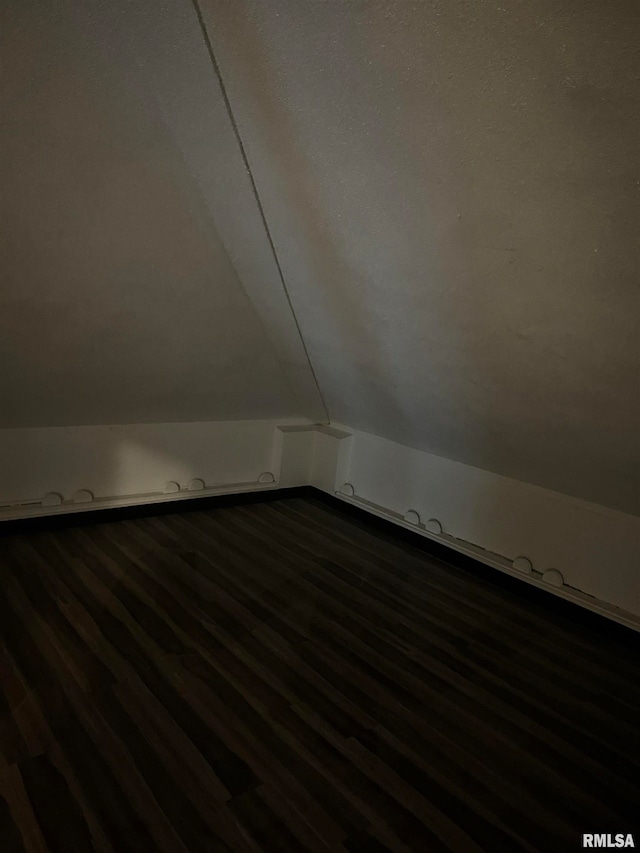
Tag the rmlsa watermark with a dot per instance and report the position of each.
(619, 840)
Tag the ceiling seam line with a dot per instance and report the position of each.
(218, 73)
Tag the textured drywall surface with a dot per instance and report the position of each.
(132, 459)
(453, 189)
(125, 208)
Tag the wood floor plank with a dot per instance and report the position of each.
(521, 616)
(466, 607)
(281, 676)
(595, 801)
(390, 651)
(412, 613)
(19, 829)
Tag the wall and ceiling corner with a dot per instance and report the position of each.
(420, 217)
(453, 194)
(138, 282)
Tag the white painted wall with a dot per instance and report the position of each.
(136, 280)
(453, 190)
(120, 461)
(453, 193)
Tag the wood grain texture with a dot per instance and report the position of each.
(283, 676)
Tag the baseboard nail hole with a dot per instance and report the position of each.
(553, 577)
(433, 526)
(523, 564)
(412, 517)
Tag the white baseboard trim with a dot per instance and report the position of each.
(35, 509)
(581, 552)
(496, 561)
(60, 470)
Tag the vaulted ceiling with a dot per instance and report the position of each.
(132, 244)
(451, 190)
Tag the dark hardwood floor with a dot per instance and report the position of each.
(281, 676)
